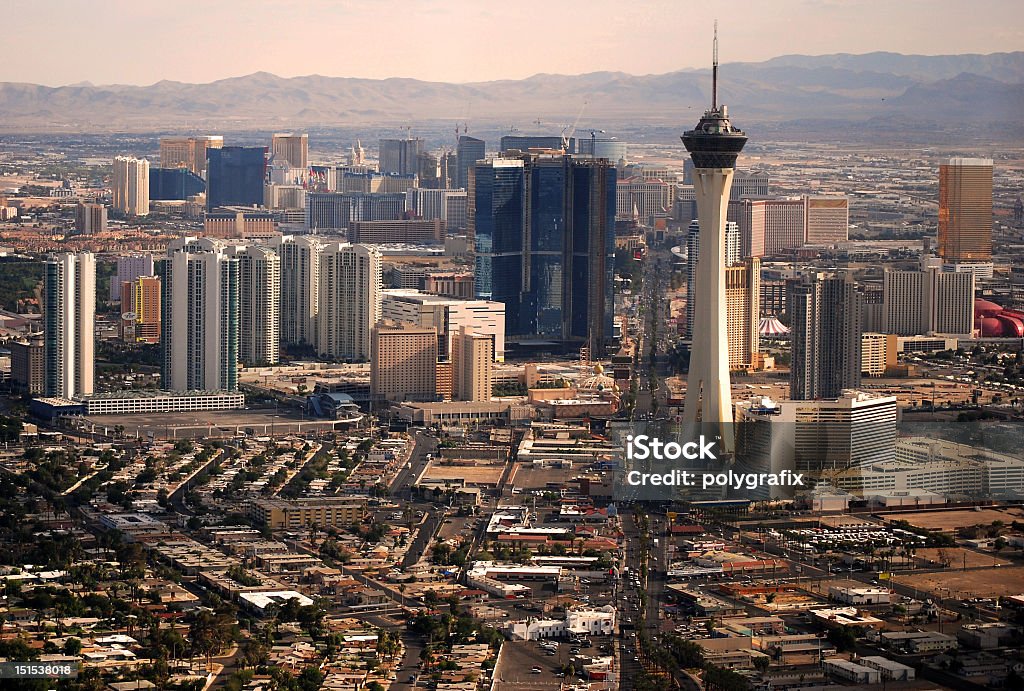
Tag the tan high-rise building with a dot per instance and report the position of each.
(743, 311)
(768, 226)
(176, 152)
(928, 301)
(403, 363)
(188, 152)
(131, 186)
(965, 210)
(291, 148)
(90, 219)
(444, 380)
(448, 316)
(27, 368)
(826, 220)
(877, 353)
(472, 366)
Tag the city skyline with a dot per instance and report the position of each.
(467, 33)
(646, 408)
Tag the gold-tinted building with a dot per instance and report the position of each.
(292, 149)
(403, 363)
(142, 324)
(965, 210)
(188, 152)
(826, 220)
(472, 366)
(742, 308)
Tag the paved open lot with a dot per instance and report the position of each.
(948, 521)
(967, 584)
(529, 477)
(518, 658)
(959, 557)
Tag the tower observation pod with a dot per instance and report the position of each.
(714, 145)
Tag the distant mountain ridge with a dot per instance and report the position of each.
(932, 89)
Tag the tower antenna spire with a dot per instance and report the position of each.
(714, 70)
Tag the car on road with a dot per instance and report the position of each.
(536, 670)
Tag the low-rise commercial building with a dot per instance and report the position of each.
(134, 402)
(889, 669)
(859, 596)
(851, 671)
(324, 512)
(577, 622)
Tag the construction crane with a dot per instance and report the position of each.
(567, 133)
(593, 141)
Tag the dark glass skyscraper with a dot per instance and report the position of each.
(826, 336)
(401, 156)
(545, 246)
(525, 142)
(235, 176)
(469, 151)
(498, 231)
(174, 183)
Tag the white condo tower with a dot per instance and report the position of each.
(714, 145)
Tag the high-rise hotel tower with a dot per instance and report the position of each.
(69, 313)
(200, 321)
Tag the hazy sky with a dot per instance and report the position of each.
(143, 41)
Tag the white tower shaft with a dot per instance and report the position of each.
(708, 393)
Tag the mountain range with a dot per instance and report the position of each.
(878, 89)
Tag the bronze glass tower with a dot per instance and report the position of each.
(965, 210)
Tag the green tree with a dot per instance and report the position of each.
(72, 646)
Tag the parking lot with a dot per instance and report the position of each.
(520, 660)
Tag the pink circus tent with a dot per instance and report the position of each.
(771, 327)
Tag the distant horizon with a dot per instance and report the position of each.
(123, 43)
(705, 68)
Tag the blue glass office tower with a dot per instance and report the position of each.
(498, 235)
(235, 176)
(174, 183)
(545, 246)
(468, 152)
(521, 142)
(590, 190)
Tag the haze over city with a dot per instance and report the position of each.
(455, 41)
